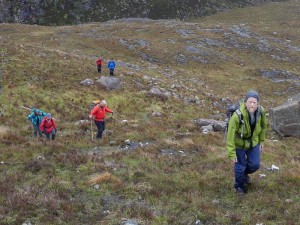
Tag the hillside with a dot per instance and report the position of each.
(67, 12)
(171, 173)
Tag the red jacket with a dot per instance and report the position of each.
(99, 62)
(47, 125)
(99, 112)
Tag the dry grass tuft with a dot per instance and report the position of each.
(105, 177)
(4, 131)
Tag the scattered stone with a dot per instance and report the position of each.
(129, 222)
(124, 122)
(289, 201)
(208, 123)
(82, 122)
(156, 114)
(273, 168)
(159, 92)
(110, 83)
(40, 157)
(206, 129)
(198, 222)
(216, 201)
(112, 143)
(172, 152)
(87, 82)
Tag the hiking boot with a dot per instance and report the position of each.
(248, 180)
(240, 191)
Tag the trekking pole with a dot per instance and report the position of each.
(24, 107)
(92, 130)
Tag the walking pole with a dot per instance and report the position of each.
(92, 130)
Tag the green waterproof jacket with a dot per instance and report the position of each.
(234, 139)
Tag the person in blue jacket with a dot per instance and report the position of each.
(36, 116)
(111, 66)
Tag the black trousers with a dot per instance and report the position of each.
(101, 127)
(99, 68)
(111, 72)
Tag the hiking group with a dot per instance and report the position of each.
(43, 123)
(111, 66)
(245, 137)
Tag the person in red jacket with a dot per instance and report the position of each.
(48, 127)
(99, 113)
(99, 64)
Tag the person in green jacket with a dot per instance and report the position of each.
(245, 138)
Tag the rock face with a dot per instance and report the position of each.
(62, 12)
(285, 119)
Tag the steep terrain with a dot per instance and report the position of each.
(171, 173)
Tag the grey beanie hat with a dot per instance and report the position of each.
(252, 94)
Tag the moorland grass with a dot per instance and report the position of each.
(51, 183)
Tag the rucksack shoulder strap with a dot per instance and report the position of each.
(240, 115)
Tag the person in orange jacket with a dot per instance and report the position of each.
(99, 113)
(99, 64)
(48, 127)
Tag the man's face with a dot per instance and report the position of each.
(251, 104)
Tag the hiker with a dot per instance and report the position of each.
(99, 112)
(111, 66)
(36, 117)
(99, 63)
(245, 140)
(48, 127)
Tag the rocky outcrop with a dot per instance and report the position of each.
(110, 83)
(285, 119)
(62, 12)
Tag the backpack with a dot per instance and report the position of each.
(235, 108)
(94, 103)
(230, 110)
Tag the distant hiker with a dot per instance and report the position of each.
(48, 127)
(36, 117)
(99, 64)
(245, 140)
(99, 113)
(111, 66)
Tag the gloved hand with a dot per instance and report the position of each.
(112, 113)
(55, 130)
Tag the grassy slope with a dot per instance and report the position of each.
(47, 184)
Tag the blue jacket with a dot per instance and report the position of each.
(36, 116)
(111, 64)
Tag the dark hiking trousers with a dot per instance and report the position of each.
(101, 127)
(36, 129)
(99, 68)
(248, 161)
(53, 134)
(111, 72)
